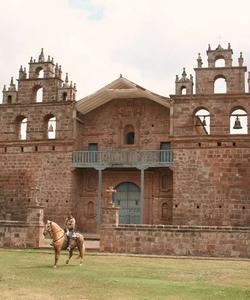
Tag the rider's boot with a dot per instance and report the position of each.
(69, 246)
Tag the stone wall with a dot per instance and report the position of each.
(106, 124)
(234, 76)
(37, 162)
(45, 166)
(36, 114)
(23, 234)
(211, 172)
(211, 183)
(176, 240)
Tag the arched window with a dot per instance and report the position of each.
(21, 127)
(220, 62)
(238, 121)
(39, 94)
(202, 121)
(9, 99)
(130, 138)
(129, 135)
(64, 96)
(50, 125)
(183, 90)
(39, 72)
(220, 85)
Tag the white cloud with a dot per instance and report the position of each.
(148, 41)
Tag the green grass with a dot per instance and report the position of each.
(28, 275)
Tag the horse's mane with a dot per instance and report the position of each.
(55, 225)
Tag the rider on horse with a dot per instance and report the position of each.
(70, 224)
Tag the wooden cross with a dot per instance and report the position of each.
(110, 190)
(219, 37)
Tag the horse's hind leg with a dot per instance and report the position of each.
(70, 255)
(81, 249)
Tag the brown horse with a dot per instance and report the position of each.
(60, 241)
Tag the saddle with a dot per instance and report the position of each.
(73, 236)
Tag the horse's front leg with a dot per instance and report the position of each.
(57, 253)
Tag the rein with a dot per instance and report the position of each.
(59, 238)
(55, 233)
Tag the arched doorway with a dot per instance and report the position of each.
(127, 197)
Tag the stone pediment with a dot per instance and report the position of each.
(121, 88)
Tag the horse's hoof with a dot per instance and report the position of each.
(67, 262)
(54, 267)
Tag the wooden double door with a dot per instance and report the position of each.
(127, 198)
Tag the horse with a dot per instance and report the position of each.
(60, 241)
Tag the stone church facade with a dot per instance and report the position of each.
(178, 160)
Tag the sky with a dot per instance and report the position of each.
(147, 41)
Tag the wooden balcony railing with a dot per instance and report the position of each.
(122, 158)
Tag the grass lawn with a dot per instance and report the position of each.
(28, 275)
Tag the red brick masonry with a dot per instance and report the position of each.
(23, 234)
(220, 241)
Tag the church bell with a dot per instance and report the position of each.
(237, 124)
(51, 129)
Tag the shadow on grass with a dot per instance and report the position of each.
(62, 266)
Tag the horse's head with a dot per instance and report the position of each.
(47, 228)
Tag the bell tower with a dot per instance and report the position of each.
(38, 103)
(43, 77)
(10, 94)
(41, 68)
(184, 85)
(234, 75)
(67, 92)
(219, 53)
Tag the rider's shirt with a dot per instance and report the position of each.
(70, 223)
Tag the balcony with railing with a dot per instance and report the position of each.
(122, 158)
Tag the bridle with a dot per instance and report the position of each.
(49, 229)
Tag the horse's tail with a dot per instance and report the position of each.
(80, 246)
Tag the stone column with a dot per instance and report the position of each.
(34, 220)
(142, 169)
(99, 196)
(110, 215)
(35, 225)
(35, 215)
(142, 195)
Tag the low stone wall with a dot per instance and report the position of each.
(23, 234)
(214, 241)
